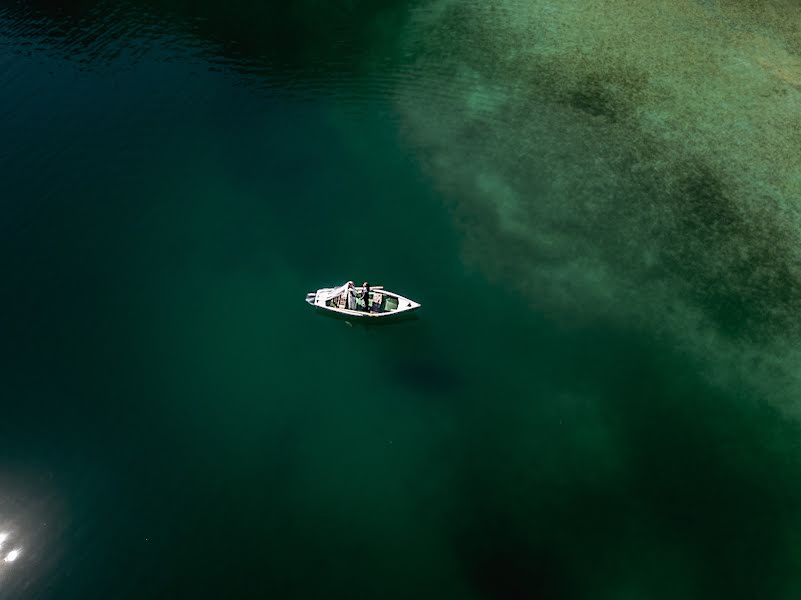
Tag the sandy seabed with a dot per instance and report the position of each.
(637, 161)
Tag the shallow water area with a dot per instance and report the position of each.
(597, 399)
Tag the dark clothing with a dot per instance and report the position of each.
(366, 297)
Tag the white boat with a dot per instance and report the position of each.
(346, 301)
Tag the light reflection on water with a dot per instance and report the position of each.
(32, 523)
(12, 555)
(12, 541)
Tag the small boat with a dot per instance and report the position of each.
(345, 301)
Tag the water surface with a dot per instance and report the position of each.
(597, 401)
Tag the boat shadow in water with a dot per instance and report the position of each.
(416, 369)
(426, 376)
(368, 323)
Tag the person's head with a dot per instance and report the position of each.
(365, 285)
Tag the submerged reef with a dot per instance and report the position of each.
(636, 161)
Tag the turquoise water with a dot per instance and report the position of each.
(598, 400)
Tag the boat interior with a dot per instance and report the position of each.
(379, 302)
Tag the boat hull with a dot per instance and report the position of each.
(365, 321)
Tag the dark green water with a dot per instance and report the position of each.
(564, 420)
